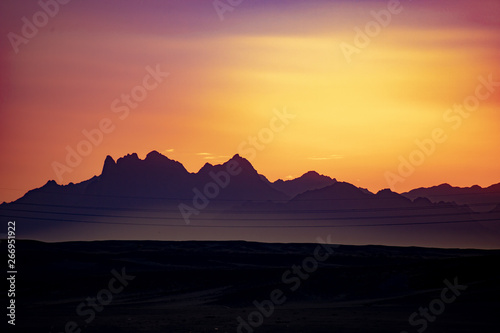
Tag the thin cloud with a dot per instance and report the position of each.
(210, 156)
(218, 157)
(324, 158)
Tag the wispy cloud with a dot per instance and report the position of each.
(210, 156)
(329, 157)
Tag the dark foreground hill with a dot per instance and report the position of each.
(229, 286)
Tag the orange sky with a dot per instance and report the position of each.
(354, 118)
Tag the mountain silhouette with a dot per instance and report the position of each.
(482, 199)
(247, 185)
(155, 176)
(157, 198)
(131, 181)
(309, 181)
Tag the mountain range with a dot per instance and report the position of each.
(476, 197)
(157, 198)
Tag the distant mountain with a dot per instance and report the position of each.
(475, 196)
(308, 181)
(247, 185)
(131, 181)
(343, 196)
(157, 198)
(338, 195)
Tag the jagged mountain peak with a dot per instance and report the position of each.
(312, 174)
(206, 168)
(109, 165)
(310, 180)
(242, 162)
(129, 157)
(386, 192)
(155, 155)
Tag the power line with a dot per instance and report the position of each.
(256, 211)
(247, 219)
(256, 226)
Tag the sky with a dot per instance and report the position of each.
(376, 93)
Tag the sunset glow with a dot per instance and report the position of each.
(353, 116)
